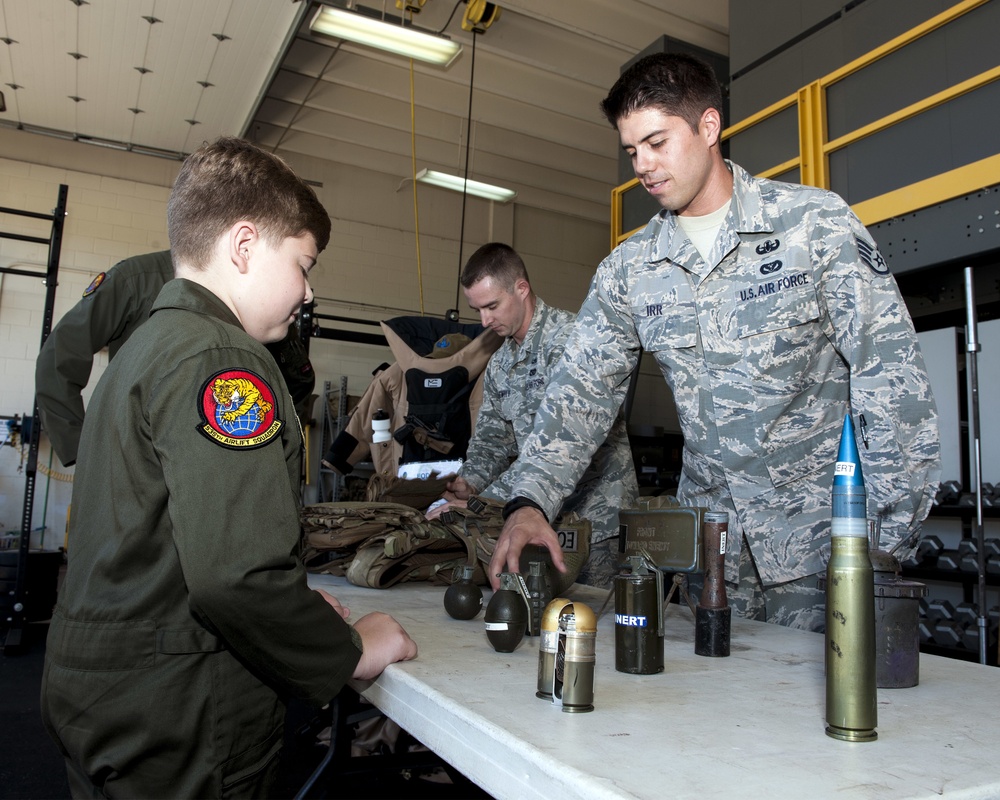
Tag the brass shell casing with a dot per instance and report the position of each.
(851, 701)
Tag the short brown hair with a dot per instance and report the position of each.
(678, 84)
(494, 260)
(230, 180)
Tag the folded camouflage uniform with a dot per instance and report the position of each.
(381, 544)
(413, 492)
(332, 532)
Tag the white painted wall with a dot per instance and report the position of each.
(117, 208)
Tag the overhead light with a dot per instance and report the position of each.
(485, 190)
(395, 38)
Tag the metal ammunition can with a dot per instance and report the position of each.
(639, 623)
(897, 624)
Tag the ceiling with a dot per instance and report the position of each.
(161, 76)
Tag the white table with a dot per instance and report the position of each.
(747, 726)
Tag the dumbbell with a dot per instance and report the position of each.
(948, 560)
(993, 566)
(928, 548)
(968, 555)
(948, 493)
(970, 638)
(926, 629)
(947, 633)
(990, 498)
(966, 615)
(991, 546)
(969, 498)
(940, 610)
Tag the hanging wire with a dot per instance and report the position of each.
(416, 211)
(452, 14)
(465, 183)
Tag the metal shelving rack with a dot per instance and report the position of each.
(16, 609)
(331, 482)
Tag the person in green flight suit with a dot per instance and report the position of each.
(114, 304)
(185, 623)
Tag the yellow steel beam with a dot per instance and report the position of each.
(946, 186)
(616, 211)
(812, 135)
(781, 168)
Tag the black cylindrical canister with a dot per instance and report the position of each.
(713, 615)
(638, 625)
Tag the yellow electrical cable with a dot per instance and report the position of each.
(67, 477)
(416, 211)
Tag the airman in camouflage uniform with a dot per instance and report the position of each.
(514, 384)
(790, 320)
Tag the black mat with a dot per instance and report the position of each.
(31, 766)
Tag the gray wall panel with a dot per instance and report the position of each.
(935, 62)
(638, 208)
(954, 134)
(960, 228)
(858, 31)
(768, 143)
(759, 26)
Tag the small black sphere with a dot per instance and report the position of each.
(463, 600)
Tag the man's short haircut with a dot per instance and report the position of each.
(230, 180)
(494, 260)
(678, 84)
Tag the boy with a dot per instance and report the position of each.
(185, 617)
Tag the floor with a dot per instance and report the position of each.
(31, 766)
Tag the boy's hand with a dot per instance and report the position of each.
(385, 642)
(344, 611)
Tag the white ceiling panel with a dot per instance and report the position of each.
(162, 76)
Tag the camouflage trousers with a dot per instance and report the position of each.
(602, 564)
(794, 604)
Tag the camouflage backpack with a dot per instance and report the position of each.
(381, 544)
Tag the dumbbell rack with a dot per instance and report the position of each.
(946, 628)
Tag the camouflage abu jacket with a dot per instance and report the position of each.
(794, 322)
(513, 387)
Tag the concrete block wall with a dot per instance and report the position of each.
(107, 219)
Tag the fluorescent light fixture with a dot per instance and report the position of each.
(384, 35)
(485, 190)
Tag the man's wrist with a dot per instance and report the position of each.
(518, 503)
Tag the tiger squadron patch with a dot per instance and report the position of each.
(237, 410)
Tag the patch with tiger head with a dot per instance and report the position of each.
(237, 410)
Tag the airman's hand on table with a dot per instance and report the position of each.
(525, 526)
